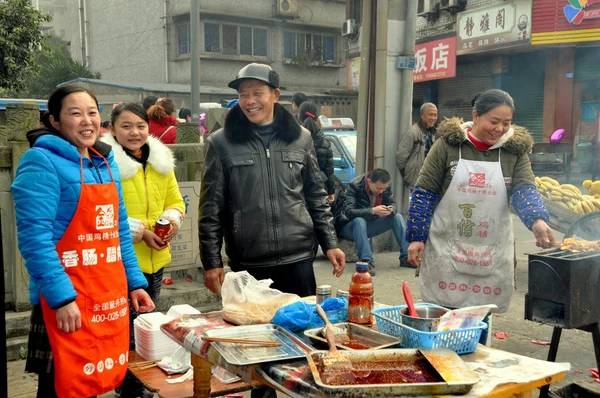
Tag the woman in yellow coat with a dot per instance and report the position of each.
(150, 192)
(150, 189)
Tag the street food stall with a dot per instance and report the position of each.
(438, 355)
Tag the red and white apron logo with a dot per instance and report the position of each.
(477, 180)
(105, 217)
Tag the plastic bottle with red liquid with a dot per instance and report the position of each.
(361, 292)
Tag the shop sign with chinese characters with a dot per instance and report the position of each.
(504, 25)
(435, 60)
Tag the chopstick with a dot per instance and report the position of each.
(243, 341)
(143, 363)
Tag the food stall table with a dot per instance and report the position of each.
(503, 374)
(154, 379)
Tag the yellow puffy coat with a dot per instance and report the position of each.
(149, 194)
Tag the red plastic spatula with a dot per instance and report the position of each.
(409, 300)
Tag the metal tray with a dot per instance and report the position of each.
(457, 377)
(374, 339)
(245, 354)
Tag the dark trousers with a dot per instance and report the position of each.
(46, 388)
(296, 278)
(132, 387)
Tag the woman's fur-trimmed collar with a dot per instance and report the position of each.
(517, 140)
(238, 127)
(161, 157)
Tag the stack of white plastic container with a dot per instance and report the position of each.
(150, 342)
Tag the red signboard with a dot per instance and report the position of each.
(435, 60)
(565, 15)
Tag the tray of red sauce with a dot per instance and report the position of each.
(393, 372)
(355, 337)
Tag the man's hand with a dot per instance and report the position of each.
(69, 318)
(415, 253)
(141, 301)
(338, 260)
(330, 198)
(381, 211)
(153, 241)
(213, 279)
(544, 236)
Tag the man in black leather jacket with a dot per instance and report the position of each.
(261, 192)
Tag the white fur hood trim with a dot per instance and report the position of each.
(161, 157)
(501, 141)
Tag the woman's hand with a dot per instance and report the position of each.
(172, 232)
(544, 237)
(153, 241)
(415, 253)
(141, 301)
(69, 318)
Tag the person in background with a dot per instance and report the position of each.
(415, 144)
(297, 100)
(74, 237)
(150, 191)
(185, 115)
(459, 224)
(308, 118)
(149, 101)
(104, 127)
(262, 192)
(369, 210)
(163, 124)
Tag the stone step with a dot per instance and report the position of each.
(17, 323)
(16, 348)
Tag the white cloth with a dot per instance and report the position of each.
(469, 255)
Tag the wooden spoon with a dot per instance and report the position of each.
(335, 360)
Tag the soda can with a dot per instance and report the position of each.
(162, 227)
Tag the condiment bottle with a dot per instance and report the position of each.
(323, 293)
(360, 303)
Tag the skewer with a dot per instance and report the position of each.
(243, 341)
(148, 366)
(143, 363)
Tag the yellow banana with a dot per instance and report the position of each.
(538, 181)
(587, 184)
(579, 208)
(570, 187)
(586, 207)
(551, 181)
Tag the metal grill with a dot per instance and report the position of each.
(563, 288)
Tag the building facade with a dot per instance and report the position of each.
(544, 55)
(141, 41)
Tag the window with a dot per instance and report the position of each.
(356, 10)
(321, 48)
(183, 39)
(334, 148)
(235, 40)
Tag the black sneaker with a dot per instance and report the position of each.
(404, 263)
(372, 268)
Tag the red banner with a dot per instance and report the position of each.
(435, 60)
(565, 15)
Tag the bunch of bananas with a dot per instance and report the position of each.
(567, 195)
(593, 188)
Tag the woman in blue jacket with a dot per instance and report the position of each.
(74, 236)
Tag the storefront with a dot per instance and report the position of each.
(570, 32)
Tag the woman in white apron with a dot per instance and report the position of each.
(459, 226)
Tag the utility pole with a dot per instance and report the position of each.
(195, 43)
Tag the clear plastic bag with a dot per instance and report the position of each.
(247, 301)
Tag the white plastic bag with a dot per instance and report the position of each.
(247, 301)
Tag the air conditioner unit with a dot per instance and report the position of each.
(348, 27)
(424, 7)
(286, 8)
(444, 4)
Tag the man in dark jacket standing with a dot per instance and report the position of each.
(415, 144)
(369, 210)
(261, 192)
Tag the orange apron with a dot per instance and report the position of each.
(92, 360)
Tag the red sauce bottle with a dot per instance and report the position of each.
(361, 291)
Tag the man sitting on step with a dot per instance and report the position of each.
(369, 210)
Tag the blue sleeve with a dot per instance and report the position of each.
(420, 210)
(529, 205)
(135, 277)
(37, 192)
